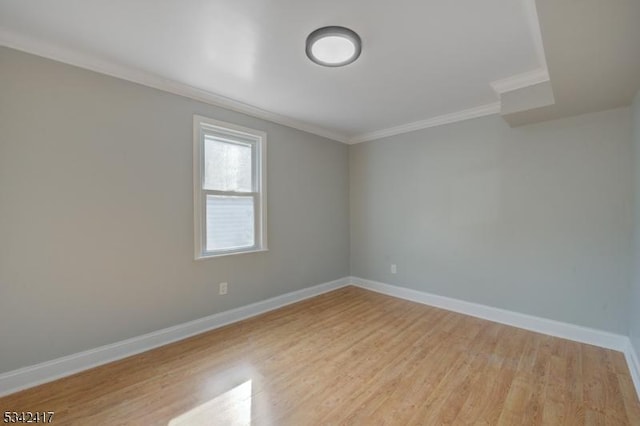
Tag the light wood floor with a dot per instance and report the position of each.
(350, 357)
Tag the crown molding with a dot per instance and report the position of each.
(467, 114)
(531, 12)
(82, 60)
(515, 82)
(57, 53)
(520, 81)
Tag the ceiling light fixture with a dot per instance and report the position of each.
(333, 46)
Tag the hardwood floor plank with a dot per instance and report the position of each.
(350, 357)
(629, 398)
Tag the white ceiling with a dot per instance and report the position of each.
(423, 62)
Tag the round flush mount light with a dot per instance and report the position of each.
(333, 46)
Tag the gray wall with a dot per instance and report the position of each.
(535, 219)
(634, 306)
(96, 212)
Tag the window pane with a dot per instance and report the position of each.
(227, 165)
(230, 222)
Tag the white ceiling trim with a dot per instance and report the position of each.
(508, 84)
(467, 114)
(71, 57)
(520, 81)
(48, 50)
(534, 26)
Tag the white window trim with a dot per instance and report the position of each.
(200, 124)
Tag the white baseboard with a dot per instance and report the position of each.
(30, 376)
(564, 330)
(34, 375)
(631, 354)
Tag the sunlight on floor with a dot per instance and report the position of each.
(230, 408)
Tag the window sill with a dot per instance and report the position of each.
(231, 253)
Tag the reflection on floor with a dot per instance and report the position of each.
(232, 408)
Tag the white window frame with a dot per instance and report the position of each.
(201, 127)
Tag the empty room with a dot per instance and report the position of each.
(219, 212)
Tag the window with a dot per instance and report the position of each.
(229, 188)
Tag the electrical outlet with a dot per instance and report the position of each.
(393, 268)
(223, 288)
